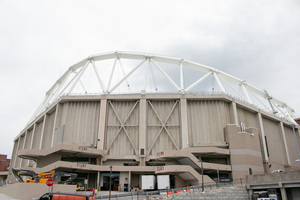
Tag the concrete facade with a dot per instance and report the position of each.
(286, 183)
(138, 134)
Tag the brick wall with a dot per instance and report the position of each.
(4, 162)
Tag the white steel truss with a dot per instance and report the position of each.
(124, 72)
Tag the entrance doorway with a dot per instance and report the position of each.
(115, 181)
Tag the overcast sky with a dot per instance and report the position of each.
(257, 41)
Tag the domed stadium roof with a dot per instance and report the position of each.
(128, 73)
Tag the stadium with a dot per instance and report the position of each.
(132, 114)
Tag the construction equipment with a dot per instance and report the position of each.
(42, 177)
(79, 187)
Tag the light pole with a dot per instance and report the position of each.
(218, 177)
(202, 175)
(110, 182)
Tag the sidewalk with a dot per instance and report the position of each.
(5, 197)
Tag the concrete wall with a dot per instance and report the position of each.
(163, 126)
(124, 125)
(48, 130)
(289, 177)
(206, 121)
(81, 122)
(291, 141)
(245, 151)
(247, 116)
(122, 140)
(275, 144)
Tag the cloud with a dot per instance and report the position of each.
(258, 41)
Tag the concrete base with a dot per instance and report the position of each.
(26, 191)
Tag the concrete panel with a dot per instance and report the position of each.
(292, 146)
(44, 161)
(121, 136)
(275, 144)
(249, 157)
(20, 146)
(28, 139)
(206, 121)
(275, 178)
(48, 131)
(37, 135)
(58, 135)
(14, 154)
(163, 126)
(249, 119)
(62, 114)
(81, 123)
(253, 160)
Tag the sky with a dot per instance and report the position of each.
(257, 41)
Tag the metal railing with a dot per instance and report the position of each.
(153, 193)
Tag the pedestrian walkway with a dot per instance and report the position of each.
(5, 197)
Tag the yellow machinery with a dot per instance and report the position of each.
(79, 187)
(42, 177)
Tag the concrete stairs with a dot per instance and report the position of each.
(229, 193)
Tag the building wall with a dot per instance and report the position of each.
(163, 126)
(247, 117)
(37, 134)
(28, 138)
(48, 130)
(20, 146)
(292, 148)
(4, 162)
(275, 144)
(245, 151)
(155, 123)
(121, 136)
(206, 121)
(80, 121)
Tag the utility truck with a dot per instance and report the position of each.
(163, 182)
(148, 182)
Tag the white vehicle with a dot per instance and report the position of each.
(277, 171)
(148, 182)
(163, 182)
(273, 196)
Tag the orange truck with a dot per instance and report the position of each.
(65, 196)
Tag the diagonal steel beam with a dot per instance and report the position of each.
(166, 75)
(98, 77)
(112, 73)
(122, 125)
(163, 126)
(152, 145)
(125, 77)
(118, 132)
(198, 81)
(124, 74)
